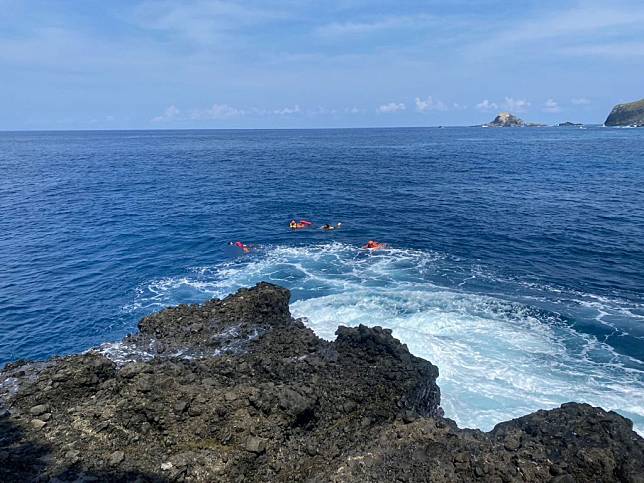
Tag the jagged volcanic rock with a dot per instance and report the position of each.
(238, 390)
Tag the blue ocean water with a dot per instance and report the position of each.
(516, 259)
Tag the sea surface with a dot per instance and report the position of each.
(515, 259)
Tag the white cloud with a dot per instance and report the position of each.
(170, 114)
(287, 110)
(551, 106)
(222, 111)
(201, 21)
(392, 107)
(321, 111)
(486, 105)
(216, 111)
(585, 19)
(570, 26)
(580, 101)
(429, 104)
(615, 50)
(509, 104)
(515, 105)
(336, 29)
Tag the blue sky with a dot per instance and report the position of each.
(89, 64)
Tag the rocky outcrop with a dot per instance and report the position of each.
(505, 119)
(630, 114)
(238, 390)
(569, 124)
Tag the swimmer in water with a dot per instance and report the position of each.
(238, 244)
(328, 227)
(302, 224)
(373, 245)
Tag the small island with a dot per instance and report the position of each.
(570, 124)
(506, 119)
(627, 115)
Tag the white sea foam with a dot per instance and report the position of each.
(126, 352)
(499, 357)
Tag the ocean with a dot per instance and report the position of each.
(515, 257)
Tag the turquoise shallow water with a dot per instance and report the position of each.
(516, 260)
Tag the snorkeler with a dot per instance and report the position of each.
(302, 224)
(374, 245)
(238, 244)
(328, 227)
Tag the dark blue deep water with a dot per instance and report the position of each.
(516, 259)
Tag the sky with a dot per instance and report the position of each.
(173, 64)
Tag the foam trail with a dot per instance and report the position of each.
(498, 357)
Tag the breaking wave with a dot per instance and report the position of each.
(504, 347)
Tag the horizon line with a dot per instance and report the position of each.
(283, 128)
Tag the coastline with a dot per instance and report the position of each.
(237, 388)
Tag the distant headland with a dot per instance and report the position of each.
(630, 114)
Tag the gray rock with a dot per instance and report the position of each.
(292, 401)
(117, 457)
(181, 460)
(145, 384)
(255, 444)
(409, 417)
(38, 423)
(194, 411)
(39, 409)
(563, 479)
(311, 449)
(132, 369)
(72, 455)
(349, 406)
(60, 376)
(180, 406)
(512, 441)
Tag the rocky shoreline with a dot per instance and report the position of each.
(238, 390)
